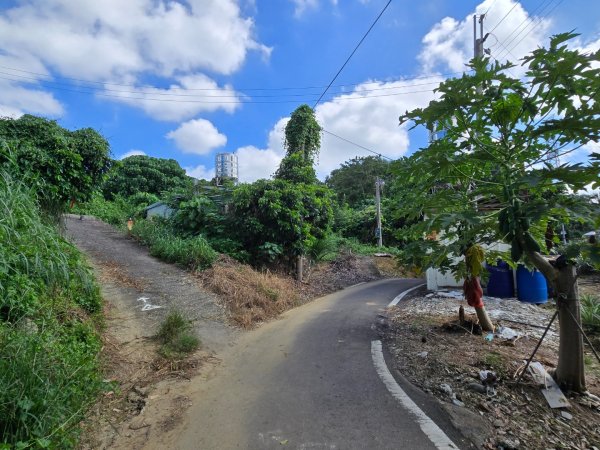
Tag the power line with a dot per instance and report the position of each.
(241, 99)
(535, 25)
(351, 54)
(171, 94)
(505, 16)
(357, 145)
(509, 40)
(103, 84)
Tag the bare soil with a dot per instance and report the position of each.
(445, 360)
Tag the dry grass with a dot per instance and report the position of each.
(251, 296)
(112, 271)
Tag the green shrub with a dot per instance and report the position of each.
(176, 336)
(323, 249)
(193, 252)
(115, 212)
(48, 378)
(353, 245)
(590, 310)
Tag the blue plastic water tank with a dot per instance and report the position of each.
(531, 286)
(500, 283)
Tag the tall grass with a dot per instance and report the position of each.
(48, 348)
(193, 252)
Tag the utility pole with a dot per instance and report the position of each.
(378, 185)
(478, 41)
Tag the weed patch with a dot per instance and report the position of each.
(194, 252)
(176, 336)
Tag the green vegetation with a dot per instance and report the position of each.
(48, 344)
(176, 336)
(192, 252)
(354, 181)
(115, 212)
(60, 165)
(145, 174)
(268, 223)
(492, 176)
(590, 311)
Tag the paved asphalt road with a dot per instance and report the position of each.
(307, 381)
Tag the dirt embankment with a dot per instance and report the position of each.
(431, 349)
(252, 297)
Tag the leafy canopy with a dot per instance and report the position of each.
(59, 164)
(142, 173)
(277, 219)
(495, 174)
(354, 181)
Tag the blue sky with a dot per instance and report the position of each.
(188, 79)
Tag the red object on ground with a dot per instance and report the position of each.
(473, 292)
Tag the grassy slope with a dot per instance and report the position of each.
(48, 343)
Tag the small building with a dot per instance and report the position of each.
(158, 209)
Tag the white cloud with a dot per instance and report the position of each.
(122, 42)
(15, 100)
(198, 136)
(106, 40)
(255, 163)
(133, 152)
(200, 172)
(302, 6)
(449, 44)
(191, 95)
(370, 121)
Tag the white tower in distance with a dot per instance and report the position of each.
(226, 166)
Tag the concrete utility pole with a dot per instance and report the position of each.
(378, 185)
(478, 41)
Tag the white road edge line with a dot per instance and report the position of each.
(428, 426)
(402, 294)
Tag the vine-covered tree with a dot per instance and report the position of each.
(302, 144)
(278, 219)
(142, 173)
(62, 165)
(494, 177)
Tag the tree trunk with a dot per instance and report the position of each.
(299, 267)
(570, 372)
(484, 320)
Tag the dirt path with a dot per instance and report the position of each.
(139, 291)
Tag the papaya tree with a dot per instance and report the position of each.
(501, 172)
